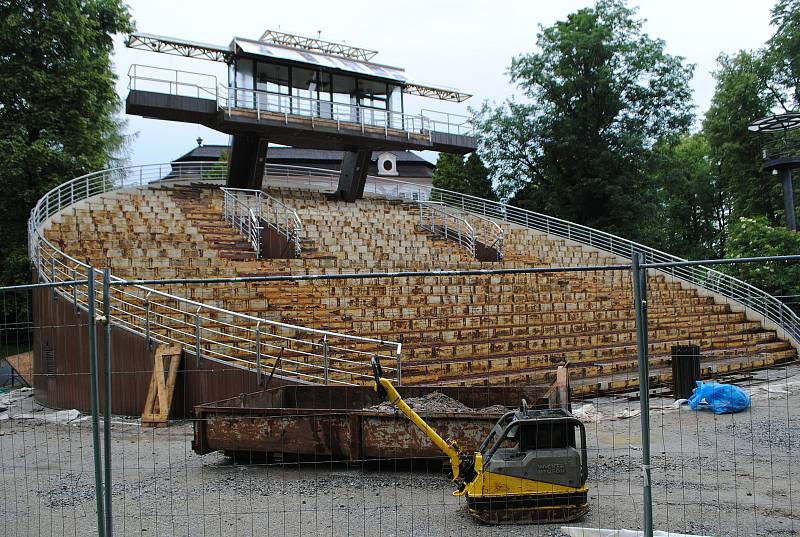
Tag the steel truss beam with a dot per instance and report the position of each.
(436, 93)
(179, 47)
(317, 45)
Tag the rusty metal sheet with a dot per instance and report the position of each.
(336, 422)
(389, 437)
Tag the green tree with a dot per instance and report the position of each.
(470, 177)
(599, 93)
(783, 54)
(693, 205)
(742, 95)
(57, 106)
(754, 237)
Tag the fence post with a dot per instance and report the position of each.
(95, 404)
(399, 368)
(107, 397)
(640, 303)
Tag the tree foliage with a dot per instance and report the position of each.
(598, 94)
(783, 54)
(693, 205)
(742, 95)
(754, 237)
(57, 106)
(468, 177)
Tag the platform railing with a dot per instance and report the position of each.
(344, 115)
(781, 147)
(173, 82)
(242, 208)
(774, 311)
(297, 353)
(266, 105)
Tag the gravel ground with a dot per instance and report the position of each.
(711, 475)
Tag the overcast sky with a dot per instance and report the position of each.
(465, 44)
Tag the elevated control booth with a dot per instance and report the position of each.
(297, 91)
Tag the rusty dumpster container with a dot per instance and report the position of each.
(336, 423)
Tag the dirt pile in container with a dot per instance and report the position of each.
(437, 402)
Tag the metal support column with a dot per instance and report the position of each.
(640, 305)
(353, 174)
(95, 404)
(788, 198)
(107, 398)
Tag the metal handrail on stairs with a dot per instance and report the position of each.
(436, 219)
(284, 220)
(243, 210)
(256, 206)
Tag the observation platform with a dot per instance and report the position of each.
(297, 91)
(290, 120)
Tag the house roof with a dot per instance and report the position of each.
(274, 154)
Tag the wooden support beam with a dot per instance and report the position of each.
(161, 390)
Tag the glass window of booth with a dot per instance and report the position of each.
(244, 83)
(272, 83)
(304, 91)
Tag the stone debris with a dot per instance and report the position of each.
(431, 402)
(494, 409)
(437, 402)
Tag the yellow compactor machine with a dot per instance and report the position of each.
(527, 470)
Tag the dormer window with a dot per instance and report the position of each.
(387, 164)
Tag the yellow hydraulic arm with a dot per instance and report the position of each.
(385, 389)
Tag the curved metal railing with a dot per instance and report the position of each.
(742, 293)
(488, 232)
(296, 353)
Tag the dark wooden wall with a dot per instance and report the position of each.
(274, 245)
(61, 365)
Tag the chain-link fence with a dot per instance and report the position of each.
(93, 442)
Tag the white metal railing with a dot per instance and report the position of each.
(467, 229)
(298, 353)
(243, 210)
(283, 219)
(247, 209)
(173, 82)
(748, 296)
(363, 117)
(344, 115)
(435, 218)
(487, 232)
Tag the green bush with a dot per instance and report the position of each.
(754, 237)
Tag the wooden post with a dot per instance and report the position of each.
(161, 390)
